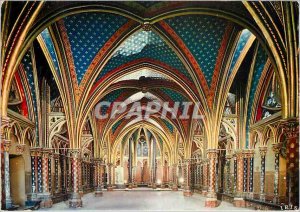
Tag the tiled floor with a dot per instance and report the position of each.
(144, 200)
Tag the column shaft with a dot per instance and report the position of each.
(75, 201)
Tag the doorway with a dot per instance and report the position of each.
(17, 179)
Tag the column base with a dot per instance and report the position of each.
(75, 201)
(98, 192)
(276, 199)
(211, 203)
(8, 203)
(110, 188)
(46, 200)
(154, 186)
(174, 188)
(187, 193)
(130, 186)
(81, 193)
(262, 197)
(251, 195)
(239, 202)
(33, 197)
(204, 192)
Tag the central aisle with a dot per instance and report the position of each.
(144, 200)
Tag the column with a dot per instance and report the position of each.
(133, 176)
(34, 164)
(49, 172)
(164, 173)
(68, 173)
(291, 130)
(110, 177)
(45, 196)
(56, 162)
(227, 176)
(211, 200)
(246, 174)
(39, 171)
(88, 180)
(80, 176)
(130, 156)
(235, 174)
(263, 152)
(187, 175)
(63, 177)
(239, 169)
(198, 175)
(75, 200)
(276, 148)
(250, 168)
(98, 174)
(6, 145)
(205, 177)
(175, 178)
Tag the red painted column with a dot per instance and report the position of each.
(211, 200)
(98, 167)
(238, 197)
(290, 130)
(75, 200)
(46, 196)
(187, 189)
(205, 177)
(175, 178)
(110, 166)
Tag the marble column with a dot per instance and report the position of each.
(75, 200)
(205, 177)
(276, 148)
(110, 166)
(174, 178)
(263, 152)
(238, 197)
(46, 196)
(98, 174)
(211, 200)
(227, 176)
(6, 146)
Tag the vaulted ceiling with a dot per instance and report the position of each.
(171, 51)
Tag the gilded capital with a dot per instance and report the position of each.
(263, 151)
(276, 147)
(20, 148)
(75, 153)
(6, 145)
(212, 153)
